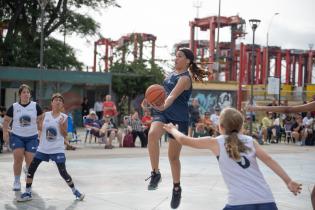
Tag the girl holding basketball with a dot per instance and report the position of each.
(178, 87)
(236, 154)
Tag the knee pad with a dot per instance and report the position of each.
(64, 174)
(33, 167)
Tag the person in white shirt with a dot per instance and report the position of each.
(25, 116)
(98, 108)
(236, 154)
(215, 120)
(51, 147)
(308, 120)
(308, 127)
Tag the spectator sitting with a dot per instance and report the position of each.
(200, 130)
(208, 124)
(137, 128)
(308, 127)
(215, 120)
(275, 130)
(255, 129)
(91, 122)
(266, 124)
(146, 121)
(110, 129)
(194, 115)
(297, 129)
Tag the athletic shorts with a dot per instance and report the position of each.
(259, 206)
(57, 157)
(182, 125)
(29, 143)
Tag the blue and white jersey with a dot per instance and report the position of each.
(52, 141)
(243, 178)
(178, 111)
(24, 120)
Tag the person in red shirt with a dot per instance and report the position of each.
(109, 107)
(146, 121)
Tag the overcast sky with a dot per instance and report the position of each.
(169, 20)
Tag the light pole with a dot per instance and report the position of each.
(42, 4)
(267, 42)
(254, 24)
(218, 37)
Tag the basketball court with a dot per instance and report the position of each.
(114, 180)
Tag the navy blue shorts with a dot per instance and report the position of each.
(258, 206)
(57, 157)
(29, 143)
(182, 126)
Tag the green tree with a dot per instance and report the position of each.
(21, 18)
(133, 79)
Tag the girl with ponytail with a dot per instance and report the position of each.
(236, 154)
(178, 86)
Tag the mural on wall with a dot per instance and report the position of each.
(209, 99)
(71, 93)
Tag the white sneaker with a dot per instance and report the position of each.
(16, 186)
(27, 196)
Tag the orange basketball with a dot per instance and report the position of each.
(155, 95)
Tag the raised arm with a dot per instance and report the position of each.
(293, 186)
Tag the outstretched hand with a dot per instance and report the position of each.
(294, 187)
(168, 127)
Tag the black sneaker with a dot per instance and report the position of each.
(176, 197)
(155, 180)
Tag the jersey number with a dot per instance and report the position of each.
(244, 162)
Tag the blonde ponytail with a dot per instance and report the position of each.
(232, 121)
(234, 146)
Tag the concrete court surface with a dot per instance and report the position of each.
(114, 180)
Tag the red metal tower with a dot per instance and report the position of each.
(108, 57)
(235, 22)
(137, 40)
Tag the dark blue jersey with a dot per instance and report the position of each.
(178, 111)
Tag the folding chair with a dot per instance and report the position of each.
(72, 136)
(288, 133)
(87, 131)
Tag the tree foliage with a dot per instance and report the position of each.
(22, 18)
(133, 79)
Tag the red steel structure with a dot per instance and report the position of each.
(137, 40)
(237, 59)
(122, 44)
(235, 22)
(108, 56)
(301, 61)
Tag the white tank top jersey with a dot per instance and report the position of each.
(24, 120)
(52, 141)
(244, 179)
